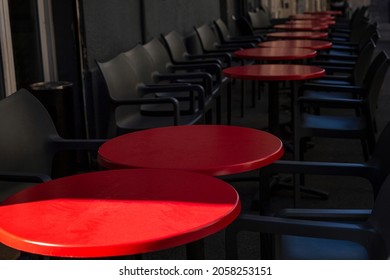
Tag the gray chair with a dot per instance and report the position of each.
(226, 37)
(128, 92)
(179, 54)
(374, 170)
(28, 143)
(340, 234)
(208, 75)
(336, 125)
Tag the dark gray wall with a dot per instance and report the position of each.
(164, 16)
(110, 27)
(115, 26)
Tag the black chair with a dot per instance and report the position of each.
(128, 92)
(360, 126)
(206, 74)
(345, 24)
(353, 44)
(190, 96)
(29, 142)
(260, 21)
(210, 42)
(374, 170)
(347, 75)
(344, 234)
(227, 38)
(179, 54)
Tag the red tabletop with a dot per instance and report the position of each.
(276, 53)
(311, 21)
(313, 16)
(311, 44)
(117, 212)
(209, 149)
(301, 27)
(297, 35)
(274, 72)
(335, 13)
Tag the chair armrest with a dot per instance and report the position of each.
(363, 170)
(160, 100)
(224, 56)
(337, 64)
(350, 215)
(176, 88)
(347, 57)
(198, 59)
(334, 67)
(335, 88)
(24, 177)
(343, 43)
(237, 44)
(214, 69)
(333, 230)
(207, 79)
(332, 102)
(341, 78)
(78, 144)
(245, 39)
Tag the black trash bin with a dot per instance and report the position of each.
(57, 97)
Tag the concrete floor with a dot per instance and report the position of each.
(344, 192)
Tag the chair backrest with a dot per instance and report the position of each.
(222, 30)
(259, 19)
(207, 37)
(372, 70)
(359, 29)
(243, 26)
(26, 129)
(363, 62)
(379, 244)
(377, 80)
(159, 54)
(380, 159)
(121, 79)
(267, 12)
(367, 33)
(142, 63)
(176, 46)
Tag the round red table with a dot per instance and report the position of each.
(117, 212)
(311, 21)
(300, 43)
(332, 13)
(275, 53)
(313, 17)
(301, 27)
(308, 22)
(297, 35)
(209, 149)
(274, 73)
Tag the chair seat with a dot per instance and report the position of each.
(304, 248)
(327, 94)
(334, 126)
(332, 82)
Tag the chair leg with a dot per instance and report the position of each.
(219, 110)
(242, 98)
(231, 248)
